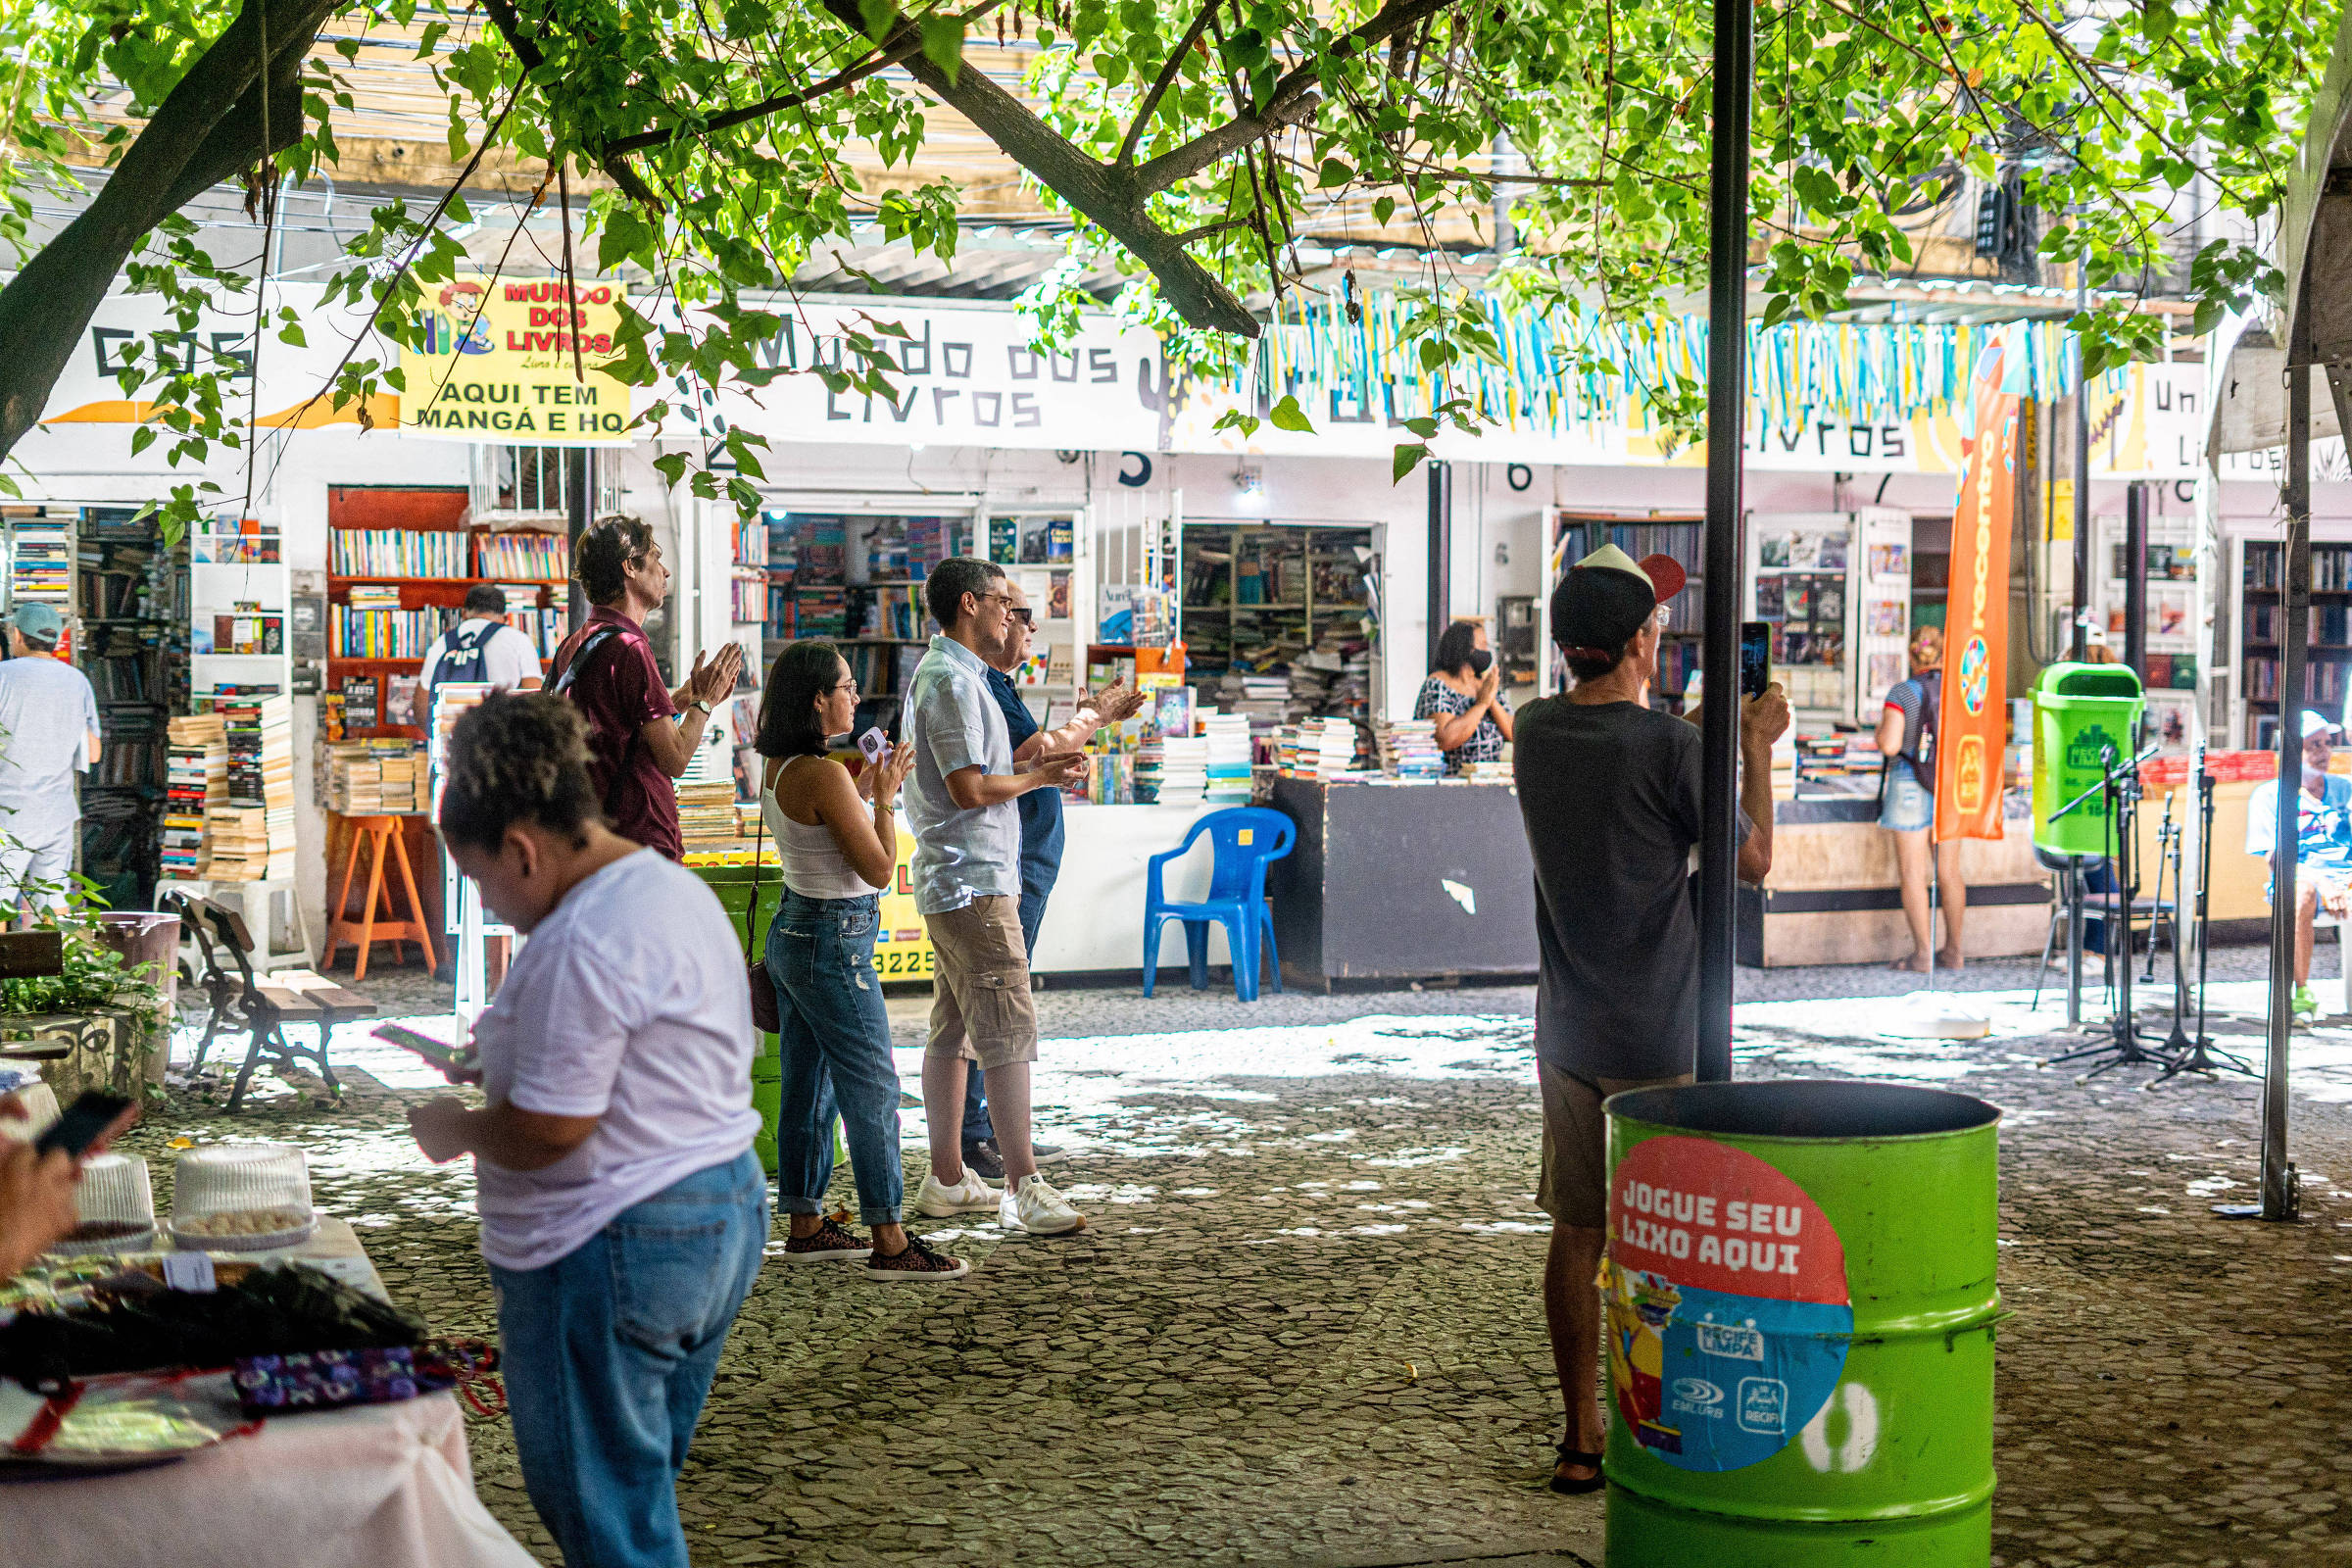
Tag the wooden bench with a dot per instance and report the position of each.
(241, 1002)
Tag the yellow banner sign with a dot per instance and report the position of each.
(902, 941)
(499, 360)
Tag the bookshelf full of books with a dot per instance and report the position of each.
(132, 599)
(1282, 625)
(1575, 535)
(240, 594)
(2255, 626)
(401, 560)
(854, 578)
(41, 557)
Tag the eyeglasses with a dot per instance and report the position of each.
(1022, 613)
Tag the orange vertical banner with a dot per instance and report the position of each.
(1971, 717)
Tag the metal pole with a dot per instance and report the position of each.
(2073, 943)
(2079, 643)
(1441, 552)
(579, 468)
(2135, 583)
(1726, 411)
(2294, 613)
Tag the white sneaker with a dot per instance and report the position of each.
(1034, 1207)
(970, 1196)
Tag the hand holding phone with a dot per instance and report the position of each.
(458, 1066)
(89, 1124)
(1755, 658)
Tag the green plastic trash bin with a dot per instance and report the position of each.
(2079, 711)
(733, 885)
(1801, 1298)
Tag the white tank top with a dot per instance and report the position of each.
(813, 865)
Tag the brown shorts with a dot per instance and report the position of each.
(980, 1005)
(1575, 1187)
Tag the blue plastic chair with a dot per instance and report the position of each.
(1248, 838)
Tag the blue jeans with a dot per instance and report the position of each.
(607, 1355)
(835, 1045)
(976, 1125)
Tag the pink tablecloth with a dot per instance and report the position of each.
(386, 1487)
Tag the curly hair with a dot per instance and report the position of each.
(603, 554)
(802, 673)
(519, 758)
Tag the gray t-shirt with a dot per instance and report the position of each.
(1610, 794)
(952, 722)
(47, 713)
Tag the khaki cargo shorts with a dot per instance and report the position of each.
(1575, 1187)
(981, 1008)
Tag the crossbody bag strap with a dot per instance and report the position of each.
(751, 910)
(590, 646)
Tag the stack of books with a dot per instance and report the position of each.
(238, 841)
(707, 812)
(404, 790)
(450, 701)
(1322, 750)
(1227, 765)
(1408, 748)
(1487, 772)
(196, 779)
(1172, 771)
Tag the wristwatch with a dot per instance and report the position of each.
(704, 706)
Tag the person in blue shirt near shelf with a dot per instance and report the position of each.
(48, 733)
(1040, 832)
(2323, 844)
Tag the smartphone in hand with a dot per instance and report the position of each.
(458, 1066)
(1755, 658)
(94, 1115)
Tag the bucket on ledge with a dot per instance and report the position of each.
(1799, 1300)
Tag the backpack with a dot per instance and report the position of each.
(462, 655)
(1921, 753)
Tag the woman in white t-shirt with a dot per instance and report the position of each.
(623, 1214)
(838, 840)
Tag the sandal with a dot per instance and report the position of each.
(1572, 1486)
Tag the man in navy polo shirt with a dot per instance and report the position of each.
(1041, 833)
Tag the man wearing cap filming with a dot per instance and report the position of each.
(48, 732)
(2322, 846)
(1609, 790)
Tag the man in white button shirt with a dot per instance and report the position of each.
(483, 647)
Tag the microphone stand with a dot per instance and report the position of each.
(2201, 1055)
(2119, 785)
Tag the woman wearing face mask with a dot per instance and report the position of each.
(1465, 694)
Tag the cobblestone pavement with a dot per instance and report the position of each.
(1303, 1326)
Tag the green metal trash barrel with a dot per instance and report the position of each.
(2079, 711)
(733, 885)
(1799, 1299)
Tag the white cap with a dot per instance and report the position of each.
(2316, 722)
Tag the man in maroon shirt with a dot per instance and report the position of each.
(637, 739)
